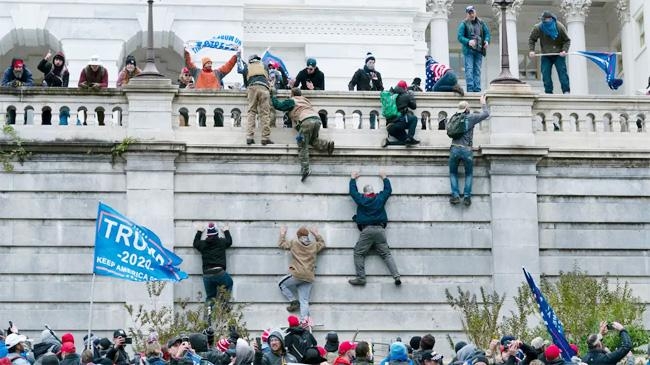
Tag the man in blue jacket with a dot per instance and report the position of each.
(474, 35)
(17, 75)
(371, 219)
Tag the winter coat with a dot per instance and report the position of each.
(118, 356)
(370, 209)
(464, 35)
(71, 359)
(54, 76)
(16, 359)
(8, 78)
(601, 357)
(364, 82)
(548, 44)
(294, 336)
(303, 262)
(281, 358)
(405, 101)
(89, 77)
(124, 76)
(213, 250)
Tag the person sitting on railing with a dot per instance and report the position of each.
(309, 123)
(440, 77)
(94, 76)
(56, 73)
(17, 75)
(206, 77)
(129, 71)
(310, 78)
(185, 79)
(403, 126)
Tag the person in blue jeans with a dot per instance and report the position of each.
(461, 150)
(474, 35)
(213, 256)
(553, 40)
(440, 77)
(403, 126)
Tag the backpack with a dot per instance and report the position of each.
(300, 345)
(389, 105)
(457, 125)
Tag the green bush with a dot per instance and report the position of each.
(479, 319)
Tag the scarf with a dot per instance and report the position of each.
(550, 29)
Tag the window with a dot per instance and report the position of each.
(641, 29)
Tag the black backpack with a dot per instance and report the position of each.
(457, 125)
(300, 344)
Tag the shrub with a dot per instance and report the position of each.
(479, 319)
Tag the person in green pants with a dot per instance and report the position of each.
(301, 111)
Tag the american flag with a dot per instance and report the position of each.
(553, 324)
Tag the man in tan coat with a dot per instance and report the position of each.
(301, 269)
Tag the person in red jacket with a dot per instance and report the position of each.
(94, 76)
(346, 353)
(206, 77)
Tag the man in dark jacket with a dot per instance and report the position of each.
(553, 357)
(117, 354)
(278, 354)
(371, 220)
(298, 339)
(403, 126)
(597, 354)
(367, 79)
(69, 354)
(56, 73)
(213, 255)
(553, 38)
(310, 78)
(17, 75)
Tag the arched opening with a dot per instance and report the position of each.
(183, 117)
(82, 115)
(235, 117)
(442, 120)
(425, 120)
(218, 117)
(64, 115)
(557, 122)
(117, 116)
(168, 50)
(640, 122)
(46, 115)
(99, 115)
(28, 117)
(374, 116)
(323, 117)
(339, 118)
(30, 45)
(357, 119)
(201, 117)
(11, 114)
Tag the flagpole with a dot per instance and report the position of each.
(90, 312)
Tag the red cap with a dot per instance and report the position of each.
(575, 348)
(346, 346)
(223, 345)
(67, 337)
(18, 63)
(293, 321)
(265, 335)
(185, 70)
(552, 352)
(68, 348)
(321, 351)
(402, 84)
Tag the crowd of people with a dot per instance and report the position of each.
(296, 344)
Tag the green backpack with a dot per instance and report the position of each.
(389, 104)
(457, 125)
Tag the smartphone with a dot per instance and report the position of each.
(258, 340)
(128, 340)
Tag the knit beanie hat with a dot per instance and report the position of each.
(369, 56)
(415, 342)
(302, 231)
(212, 229)
(402, 84)
(552, 352)
(293, 320)
(67, 337)
(130, 60)
(205, 60)
(398, 351)
(223, 345)
(459, 345)
(265, 335)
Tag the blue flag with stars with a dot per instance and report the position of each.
(607, 62)
(126, 250)
(552, 322)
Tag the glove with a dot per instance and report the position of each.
(17, 83)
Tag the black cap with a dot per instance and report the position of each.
(119, 333)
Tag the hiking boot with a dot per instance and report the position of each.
(293, 306)
(458, 90)
(398, 282)
(305, 174)
(411, 141)
(266, 141)
(330, 148)
(250, 141)
(467, 201)
(454, 200)
(357, 281)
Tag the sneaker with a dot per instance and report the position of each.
(266, 141)
(357, 281)
(458, 90)
(398, 282)
(305, 174)
(330, 148)
(467, 201)
(454, 200)
(251, 141)
(293, 306)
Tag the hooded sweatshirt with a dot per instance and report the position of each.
(55, 76)
(213, 250)
(468, 352)
(244, 353)
(280, 358)
(398, 355)
(303, 257)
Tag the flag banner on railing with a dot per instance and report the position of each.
(126, 250)
(223, 41)
(607, 62)
(268, 56)
(553, 324)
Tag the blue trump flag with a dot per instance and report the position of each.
(607, 62)
(126, 250)
(268, 56)
(552, 322)
(224, 41)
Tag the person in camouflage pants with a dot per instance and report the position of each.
(301, 111)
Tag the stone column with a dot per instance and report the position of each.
(511, 24)
(150, 108)
(438, 32)
(627, 38)
(575, 12)
(492, 62)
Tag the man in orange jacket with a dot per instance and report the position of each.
(206, 77)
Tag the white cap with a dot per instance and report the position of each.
(14, 339)
(95, 61)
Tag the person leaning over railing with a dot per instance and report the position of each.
(94, 76)
(17, 75)
(56, 73)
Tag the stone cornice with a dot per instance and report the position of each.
(511, 12)
(623, 11)
(331, 28)
(440, 8)
(575, 9)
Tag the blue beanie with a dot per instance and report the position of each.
(3, 349)
(398, 352)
